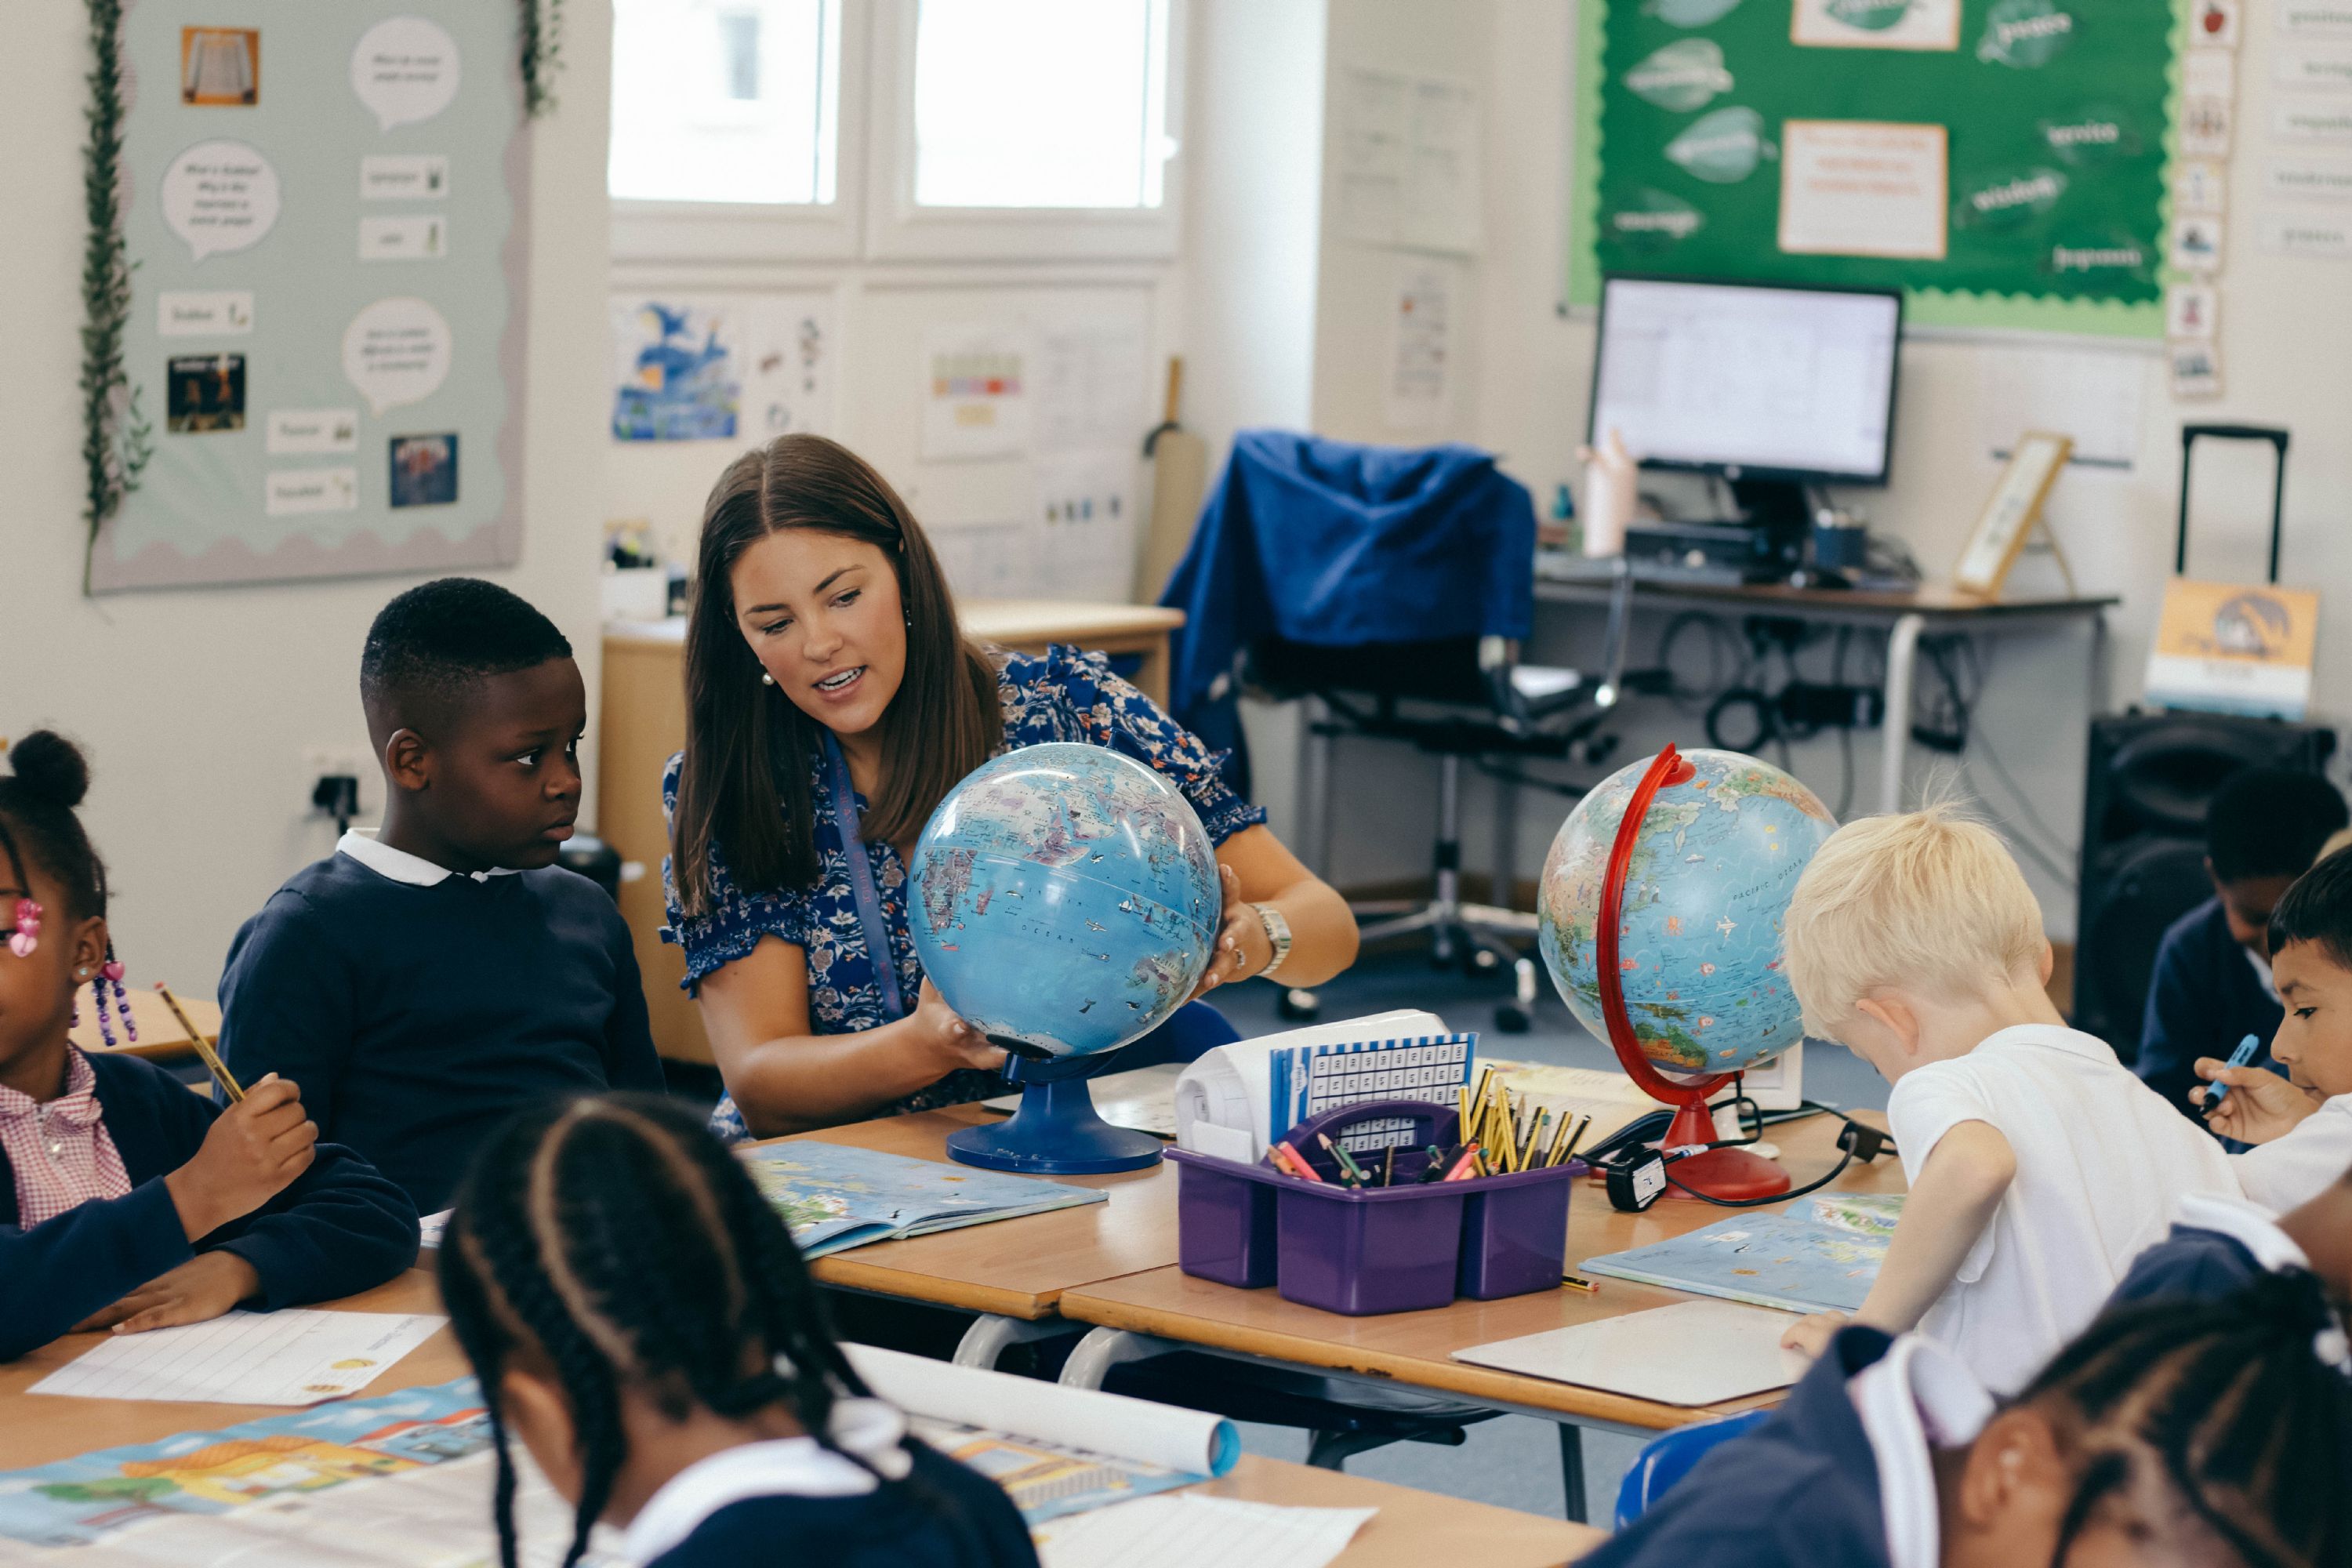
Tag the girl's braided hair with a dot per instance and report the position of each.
(2230, 1410)
(621, 1242)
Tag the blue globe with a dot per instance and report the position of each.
(1066, 897)
(1699, 944)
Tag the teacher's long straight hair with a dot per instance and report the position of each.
(748, 747)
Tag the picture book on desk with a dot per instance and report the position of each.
(1817, 1256)
(401, 1481)
(834, 1196)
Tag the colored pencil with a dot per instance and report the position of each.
(205, 1052)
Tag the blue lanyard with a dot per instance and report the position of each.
(861, 882)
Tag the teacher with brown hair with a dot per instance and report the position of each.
(832, 701)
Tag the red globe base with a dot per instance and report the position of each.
(1733, 1174)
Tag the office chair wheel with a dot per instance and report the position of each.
(1478, 960)
(1299, 1006)
(1512, 1018)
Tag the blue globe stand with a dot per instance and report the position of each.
(1056, 1132)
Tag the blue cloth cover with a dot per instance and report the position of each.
(1337, 544)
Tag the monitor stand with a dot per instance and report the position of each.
(1777, 506)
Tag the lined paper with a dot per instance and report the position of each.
(291, 1357)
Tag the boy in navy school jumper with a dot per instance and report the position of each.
(125, 1201)
(2167, 1436)
(653, 1338)
(423, 984)
(2213, 987)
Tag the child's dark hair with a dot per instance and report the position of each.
(2318, 907)
(2270, 822)
(48, 778)
(616, 1239)
(2228, 1408)
(440, 636)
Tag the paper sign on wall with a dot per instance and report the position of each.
(2225, 648)
(1420, 392)
(1855, 187)
(976, 393)
(1876, 24)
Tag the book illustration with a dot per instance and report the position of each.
(79, 1500)
(1867, 1214)
(1049, 1480)
(1784, 1260)
(833, 1196)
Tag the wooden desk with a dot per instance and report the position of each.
(1017, 1269)
(643, 724)
(1904, 616)
(1412, 1528)
(36, 1428)
(161, 1038)
(1415, 1349)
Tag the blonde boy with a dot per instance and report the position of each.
(2039, 1166)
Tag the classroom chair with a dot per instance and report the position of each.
(1665, 1460)
(1393, 588)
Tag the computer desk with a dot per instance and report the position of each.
(1905, 617)
(1144, 1315)
(1411, 1530)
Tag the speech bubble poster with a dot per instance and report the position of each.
(329, 266)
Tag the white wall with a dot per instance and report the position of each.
(2287, 353)
(198, 706)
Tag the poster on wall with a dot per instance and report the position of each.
(326, 221)
(735, 367)
(976, 393)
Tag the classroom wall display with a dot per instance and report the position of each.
(723, 367)
(323, 231)
(2006, 163)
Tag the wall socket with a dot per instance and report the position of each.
(324, 762)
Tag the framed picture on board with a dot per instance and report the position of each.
(2012, 512)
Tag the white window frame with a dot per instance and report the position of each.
(749, 231)
(896, 228)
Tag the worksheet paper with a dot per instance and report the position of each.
(1692, 1354)
(1183, 1530)
(291, 1357)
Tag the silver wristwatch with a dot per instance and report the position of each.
(1277, 935)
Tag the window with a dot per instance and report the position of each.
(726, 101)
(1040, 103)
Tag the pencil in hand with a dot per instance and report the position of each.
(205, 1052)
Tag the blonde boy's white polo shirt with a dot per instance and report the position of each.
(2102, 1162)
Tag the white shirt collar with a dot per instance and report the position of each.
(362, 846)
(784, 1467)
(2261, 972)
(2055, 1037)
(2245, 1222)
(1918, 1397)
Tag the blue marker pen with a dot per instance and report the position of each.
(2237, 1059)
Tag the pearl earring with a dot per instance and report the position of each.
(766, 679)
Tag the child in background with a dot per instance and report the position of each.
(127, 1203)
(422, 984)
(640, 1318)
(2212, 983)
(2302, 1124)
(2175, 1434)
(2039, 1167)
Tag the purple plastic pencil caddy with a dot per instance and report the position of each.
(1367, 1250)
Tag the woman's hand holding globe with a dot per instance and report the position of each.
(1242, 949)
(959, 1045)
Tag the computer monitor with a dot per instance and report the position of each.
(1755, 381)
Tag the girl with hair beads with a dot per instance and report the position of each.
(2175, 1434)
(125, 1201)
(639, 1316)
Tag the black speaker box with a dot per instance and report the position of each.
(2150, 776)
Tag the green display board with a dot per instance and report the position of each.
(2005, 162)
(324, 215)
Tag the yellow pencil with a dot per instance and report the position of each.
(213, 1064)
(1558, 1139)
(1534, 1133)
(1462, 1121)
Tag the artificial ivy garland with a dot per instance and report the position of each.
(117, 438)
(542, 54)
(115, 444)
